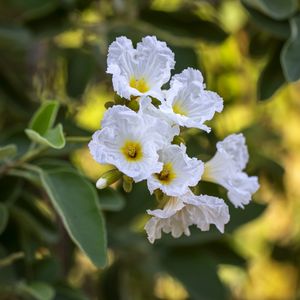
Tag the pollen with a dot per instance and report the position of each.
(167, 174)
(132, 151)
(178, 109)
(140, 84)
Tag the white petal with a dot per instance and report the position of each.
(208, 210)
(235, 146)
(171, 208)
(117, 48)
(241, 188)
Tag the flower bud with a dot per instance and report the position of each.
(108, 178)
(127, 183)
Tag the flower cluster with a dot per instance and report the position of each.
(140, 142)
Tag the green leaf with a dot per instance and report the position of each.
(290, 55)
(279, 29)
(239, 217)
(38, 290)
(53, 137)
(3, 217)
(271, 78)
(111, 200)
(8, 151)
(197, 271)
(81, 66)
(276, 9)
(75, 200)
(186, 24)
(45, 117)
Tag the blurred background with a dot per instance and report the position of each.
(249, 53)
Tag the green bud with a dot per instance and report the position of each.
(127, 183)
(133, 104)
(108, 178)
(178, 140)
(109, 104)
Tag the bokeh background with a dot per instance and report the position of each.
(249, 53)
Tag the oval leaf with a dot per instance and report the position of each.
(290, 55)
(75, 200)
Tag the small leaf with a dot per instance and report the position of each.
(3, 217)
(290, 55)
(38, 290)
(8, 151)
(75, 200)
(53, 137)
(111, 200)
(45, 117)
(271, 78)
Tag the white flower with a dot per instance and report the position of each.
(130, 141)
(188, 103)
(140, 71)
(181, 212)
(178, 173)
(226, 169)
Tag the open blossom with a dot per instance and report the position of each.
(140, 71)
(188, 103)
(178, 173)
(181, 212)
(130, 141)
(226, 169)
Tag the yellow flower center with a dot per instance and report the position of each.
(167, 174)
(140, 84)
(178, 109)
(132, 151)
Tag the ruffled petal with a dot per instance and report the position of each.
(235, 146)
(226, 169)
(124, 129)
(141, 71)
(188, 103)
(182, 212)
